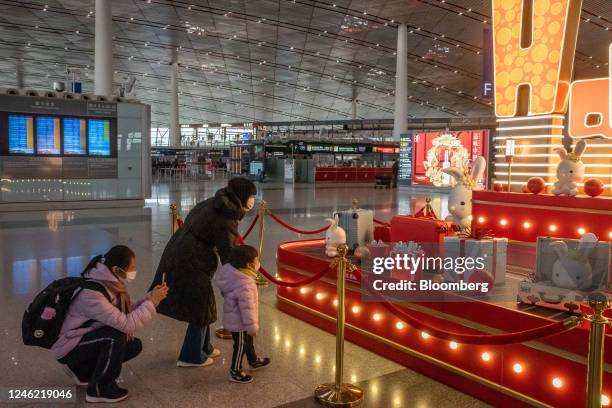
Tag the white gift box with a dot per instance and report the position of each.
(493, 252)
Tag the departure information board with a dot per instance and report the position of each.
(48, 135)
(75, 133)
(405, 161)
(21, 134)
(99, 137)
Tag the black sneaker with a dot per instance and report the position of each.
(107, 393)
(240, 377)
(260, 363)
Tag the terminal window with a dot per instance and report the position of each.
(48, 135)
(75, 134)
(21, 134)
(98, 135)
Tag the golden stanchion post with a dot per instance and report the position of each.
(261, 280)
(339, 394)
(173, 218)
(599, 303)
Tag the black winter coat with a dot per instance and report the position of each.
(190, 258)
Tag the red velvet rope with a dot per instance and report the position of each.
(489, 339)
(297, 283)
(298, 231)
(385, 224)
(246, 234)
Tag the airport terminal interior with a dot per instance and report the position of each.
(334, 138)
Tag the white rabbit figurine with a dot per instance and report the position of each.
(334, 236)
(570, 170)
(460, 196)
(572, 269)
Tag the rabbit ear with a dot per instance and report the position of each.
(454, 172)
(588, 241)
(580, 148)
(331, 221)
(561, 152)
(478, 168)
(560, 248)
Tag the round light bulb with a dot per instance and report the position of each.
(581, 231)
(336, 302)
(503, 221)
(518, 368)
(302, 290)
(425, 335)
(319, 296)
(605, 400)
(557, 382)
(376, 316)
(355, 309)
(526, 224)
(481, 220)
(553, 227)
(610, 234)
(485, 356)
(453, 345)
(400, 325)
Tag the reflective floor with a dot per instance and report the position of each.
(39, 247)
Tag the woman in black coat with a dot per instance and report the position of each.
(190, 260)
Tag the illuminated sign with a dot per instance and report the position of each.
(534, 44)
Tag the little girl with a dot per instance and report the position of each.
(96, 336)
(236, 280)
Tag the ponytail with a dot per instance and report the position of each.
(119, 256)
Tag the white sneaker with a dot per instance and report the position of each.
(215, 353)
(184, 364)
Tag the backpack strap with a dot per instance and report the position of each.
(95, 286)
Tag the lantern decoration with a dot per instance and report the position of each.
(536, 185)
(593, 187)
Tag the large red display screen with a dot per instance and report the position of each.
(433, 151)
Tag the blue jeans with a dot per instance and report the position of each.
(196, 346)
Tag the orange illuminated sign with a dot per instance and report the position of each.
(534, 44)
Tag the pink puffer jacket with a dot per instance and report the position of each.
(93, 305)
(240, 300)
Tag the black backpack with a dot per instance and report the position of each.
(43, 319)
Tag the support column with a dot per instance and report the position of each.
(354, 102)
(400, 115)
(175, 128)
(103, 60)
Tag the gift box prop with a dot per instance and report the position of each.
(410, 250)
(358, 225)
(382, 233)
(423, 226)
(491, 250)
(567, 271)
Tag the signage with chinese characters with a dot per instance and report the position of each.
(405, 160)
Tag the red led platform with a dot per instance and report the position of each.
(548, 372)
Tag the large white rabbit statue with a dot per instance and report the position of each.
(572, 269)
(570, 170)
(460, 196)
(334, 236)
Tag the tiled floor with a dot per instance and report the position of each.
(38, 247)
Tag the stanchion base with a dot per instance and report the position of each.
(223, 334)
(349, 395)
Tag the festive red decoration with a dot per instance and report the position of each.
(499, 187)
(525, 189)
(536, 185)
(593, 187)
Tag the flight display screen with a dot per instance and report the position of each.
(48, 135)
(21, 134)
(75, 134)
(99, 137)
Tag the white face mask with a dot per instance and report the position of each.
(131, 275)
(250, 203)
